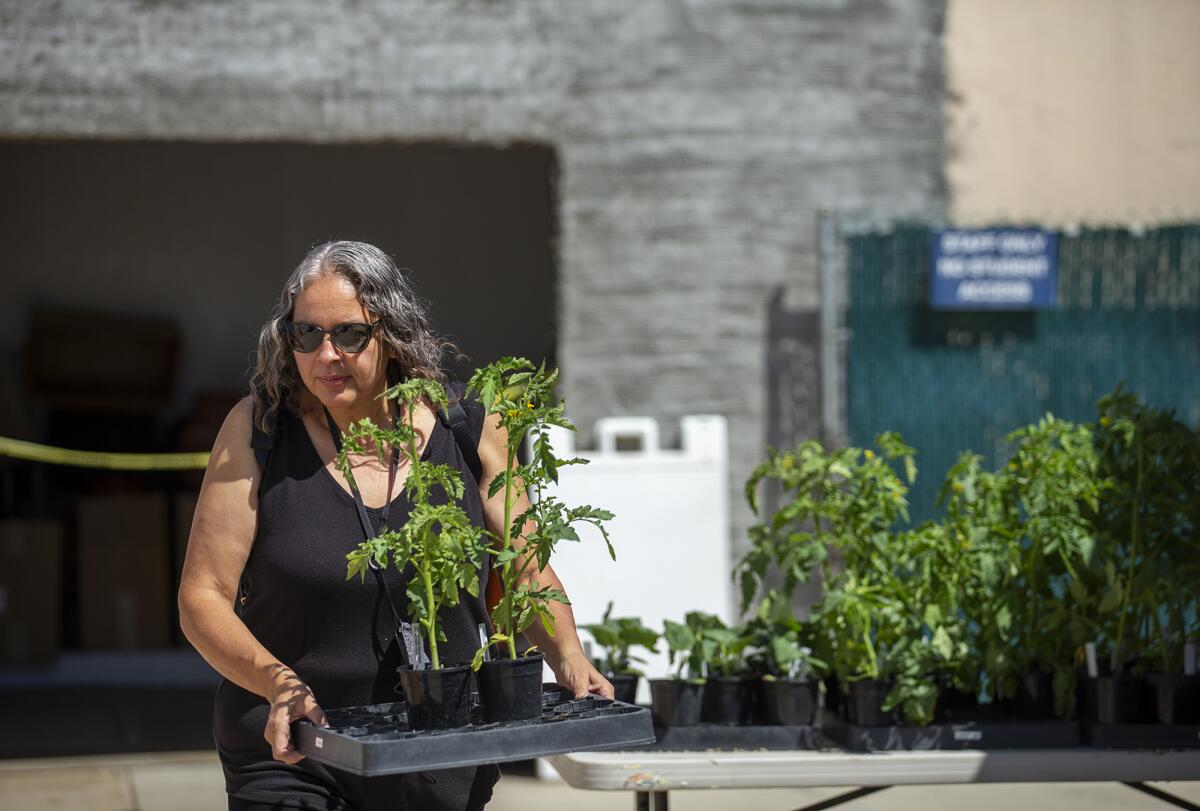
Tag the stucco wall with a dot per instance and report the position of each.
(1067, 111)
(695, 141)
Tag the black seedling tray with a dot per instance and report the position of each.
(376, 740)
(703, 737)
(987, 735)
(1141, 736)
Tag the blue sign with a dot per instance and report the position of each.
(993, 269)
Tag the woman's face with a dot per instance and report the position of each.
(342, 381)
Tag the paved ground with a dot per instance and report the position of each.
(191, 781)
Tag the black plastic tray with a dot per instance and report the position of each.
(702, 737)
(376, 740)
(988, 735)
(1141, 736)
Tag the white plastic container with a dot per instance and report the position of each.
(670, 531)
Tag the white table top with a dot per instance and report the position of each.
(670, 771)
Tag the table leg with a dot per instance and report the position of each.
(845, 798)
(650, 801)
(1158, 794)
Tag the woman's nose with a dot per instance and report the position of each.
(327, 351)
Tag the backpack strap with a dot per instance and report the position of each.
(262, 443)
(455, 418)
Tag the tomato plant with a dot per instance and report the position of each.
(521, 397)
(438, 540)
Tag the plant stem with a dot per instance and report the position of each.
(1160, 631)
(1133, 531)
(508, 601)
(433, 647)
(874, 661)
(430, 605)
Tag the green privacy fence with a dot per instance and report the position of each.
(1128, 310)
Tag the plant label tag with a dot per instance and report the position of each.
(1089, 651)
(320, 742)
(483, 642)
(968, 734)
(1189, 659)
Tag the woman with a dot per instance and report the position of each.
(263, 596)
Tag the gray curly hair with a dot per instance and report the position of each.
(383, 289)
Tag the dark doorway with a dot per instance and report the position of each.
(205, 235)
(163, 260)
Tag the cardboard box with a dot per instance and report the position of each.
(124, 571)
(30, 591)
(60, 376)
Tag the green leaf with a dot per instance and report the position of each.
(942, 645)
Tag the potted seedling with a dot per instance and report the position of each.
(731, 694)
(784, 656)
(677, 700)
(619, 636)
(521, 396)
(837, 509)
(849, 613)
(1148, 522)
(840, 515)
(440, 544)
(1030, 537)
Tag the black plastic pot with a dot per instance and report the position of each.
(625, 686)
(676, 703)
(1174, 698)
(511, 689)
(1035, 696)
(1115, 699)
(729, 701)
(862, 703)
(789, 703)
(954, 706)
(437, 699)
(832, 695)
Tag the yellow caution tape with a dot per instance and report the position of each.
(32, 451)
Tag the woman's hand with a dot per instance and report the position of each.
(291, 700)
(575, 672)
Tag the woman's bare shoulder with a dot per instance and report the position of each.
(232, 445)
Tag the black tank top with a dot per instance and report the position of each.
(337, 634)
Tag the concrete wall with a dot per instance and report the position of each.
(695, 140)
(1064, 111)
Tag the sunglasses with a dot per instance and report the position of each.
(304, 337)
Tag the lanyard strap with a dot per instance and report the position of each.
(365, 520)
(393, 466)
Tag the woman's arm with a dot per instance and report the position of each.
(563, 651)
(222, 534)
